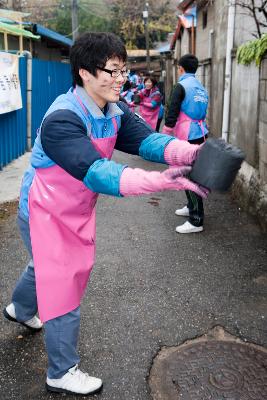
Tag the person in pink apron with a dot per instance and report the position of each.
(150, 101)
(185, 118)
(70, 166)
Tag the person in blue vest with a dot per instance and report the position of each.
(185, 118)
(70, 166)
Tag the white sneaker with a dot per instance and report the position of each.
(188, 228)
(74, 382)
(183, 212)
(33, 324)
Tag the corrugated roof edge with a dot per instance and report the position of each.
(17, 31)
(48, 33)
(57, 37)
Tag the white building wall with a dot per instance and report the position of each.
(185, 44)
(203, 33)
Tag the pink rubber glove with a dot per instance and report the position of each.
(167, 130)
(136, 181)
(180, 152)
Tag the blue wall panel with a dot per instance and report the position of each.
(13, 125)
(49, 80)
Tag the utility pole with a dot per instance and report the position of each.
(74, 19)
(14, 5)
(145, 17)
(228, 71)
(10, 4)
(17, 5)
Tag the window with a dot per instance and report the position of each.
(204, 18)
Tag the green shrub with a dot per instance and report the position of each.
(252, 51)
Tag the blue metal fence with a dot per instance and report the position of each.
(49, 80)
(13, 125)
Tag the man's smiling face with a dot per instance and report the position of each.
(103, 87)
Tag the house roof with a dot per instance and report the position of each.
(17, 30)
(11, 22)
(184, 4)
(185, 20)
(49, 34)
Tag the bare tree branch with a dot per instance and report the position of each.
(263, 9)
(255, 18)
(256, 11)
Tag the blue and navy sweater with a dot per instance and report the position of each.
(64, 140)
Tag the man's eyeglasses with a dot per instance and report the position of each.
(115, 73)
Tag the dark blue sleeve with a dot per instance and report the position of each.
(132, 132)
(65, 140)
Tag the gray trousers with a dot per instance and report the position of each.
(61, 333)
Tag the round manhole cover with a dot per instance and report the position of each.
(215, 370)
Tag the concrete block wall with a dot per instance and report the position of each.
(250, 187)
(244, 110)
(263, 121)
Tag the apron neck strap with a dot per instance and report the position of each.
(114, 121)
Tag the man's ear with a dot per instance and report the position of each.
(85, 75)
(181, 70)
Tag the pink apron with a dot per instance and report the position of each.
(150, 115)
(182, 127)
(62, 226)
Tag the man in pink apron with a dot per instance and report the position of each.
(186, 119)
(70, 165)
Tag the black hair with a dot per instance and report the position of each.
(152, 78)
(92, 50)
(189, 62)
